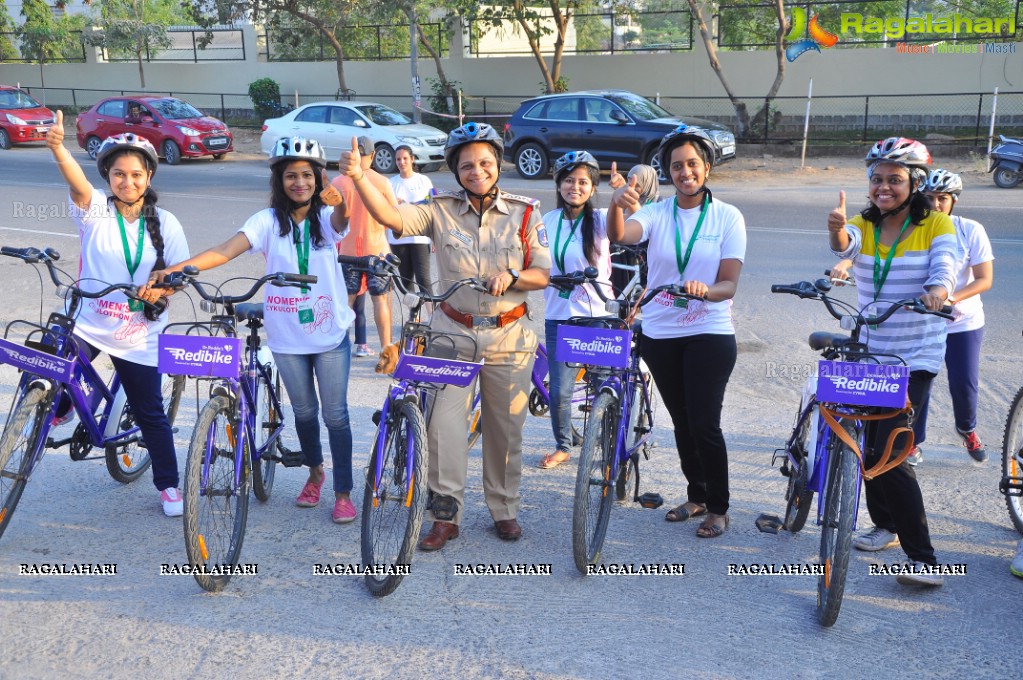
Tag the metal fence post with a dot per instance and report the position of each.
(195, 52)
(866, 116)
(980, 107)
(223, 111)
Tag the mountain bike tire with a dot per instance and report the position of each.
(798, 498)
(268, 419)
(594, 486)
(841, 488)
(127, 462)
(1012, 457)
(17, 448)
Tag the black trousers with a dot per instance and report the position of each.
(691, 374)
(894, 500)
(415, 260)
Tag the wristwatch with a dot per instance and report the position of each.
(515, 277)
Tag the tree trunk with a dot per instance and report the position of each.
(446, 87)
(534, 47)
(142, 74)
(327, 32)
(763, 116)
(741, 113)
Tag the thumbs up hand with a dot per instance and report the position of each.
(626, 196)
(329, 195)
(350, 163)
(616, 181)
(55, 135)
(837, 217)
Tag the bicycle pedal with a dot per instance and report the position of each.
(651, 501)
(376, 417)
(291, 458)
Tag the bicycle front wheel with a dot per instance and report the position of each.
(594, 483)
(127, 462)
(268, 419)
(215, 509)
(393, 505)
(1012, 457)
(841, 488)
(17, 447)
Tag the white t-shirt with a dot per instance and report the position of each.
(582, 301)
(107, 323)
(722, 237)
(974, 248)
(411, 190)
(328, 297)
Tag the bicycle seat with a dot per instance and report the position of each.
(821, 340)
(248, 311)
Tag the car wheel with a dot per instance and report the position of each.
(531, 161)
(654, 161)
(383, 160)
(92, 145)
(5, 139)
(431, 167)
(171, 152)
(1004, 178)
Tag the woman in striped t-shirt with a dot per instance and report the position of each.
(900, 249)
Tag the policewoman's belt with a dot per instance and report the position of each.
(470, 321)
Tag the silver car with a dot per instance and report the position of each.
(333, 124)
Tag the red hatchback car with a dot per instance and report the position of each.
(22, 119)
(174, 127)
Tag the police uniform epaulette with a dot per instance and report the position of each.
(447, 193)
(521, 199)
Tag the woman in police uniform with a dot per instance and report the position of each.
(499, 238)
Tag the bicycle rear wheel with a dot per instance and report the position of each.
(841, 488)
(127, 462)
(17, 446)
(392, 513)
(215, 509)
(594, 493)
(1012, 457)
(798, 498)
(640, 423)
(268, 419)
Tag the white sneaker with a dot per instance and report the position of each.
(1017, 562)
(917, 574)
(173, 504)
(876, 539)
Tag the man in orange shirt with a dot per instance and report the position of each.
(366, 236)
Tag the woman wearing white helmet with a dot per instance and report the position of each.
(974, 275)
(699, 242)
(307, 331)
(900, 249)
(580, 241)
(123, 238)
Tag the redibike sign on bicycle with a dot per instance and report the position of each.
(862, 384)
(593, 346)
(200, 355)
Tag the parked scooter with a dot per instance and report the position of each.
(1007, 162)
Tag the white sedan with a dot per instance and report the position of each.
(333, 124)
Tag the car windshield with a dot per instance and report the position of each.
(383, 115)
(16, 99)
(175, 109)
(640, 107)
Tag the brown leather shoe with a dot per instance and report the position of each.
(508, 529)
(439, 535)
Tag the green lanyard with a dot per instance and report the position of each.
(880, 276)
(560, 259)
(302, 249)
(133, 305)
(683, 263)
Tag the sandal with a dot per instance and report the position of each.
(553, 460)
(713, 526)
(681, 514)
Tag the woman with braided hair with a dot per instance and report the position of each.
(125, 237)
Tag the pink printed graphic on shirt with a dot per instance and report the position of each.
(323, 316)
(135, 331)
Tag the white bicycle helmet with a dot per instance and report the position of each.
(944, 182)
(903, 151)
(298, 149)
(467, 134)
(127, 140)
(575, 159)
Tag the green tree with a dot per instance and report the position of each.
(136, 27)
(43, 37)
(7, 50)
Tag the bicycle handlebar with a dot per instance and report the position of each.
(186, 277)
(48, 256)
(819, 289)
(387, 267)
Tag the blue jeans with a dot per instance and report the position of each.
(331, 371)
(562, 386)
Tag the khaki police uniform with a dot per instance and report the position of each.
(471, 245)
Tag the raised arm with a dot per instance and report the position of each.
(620, 230)
(378, 205)
(81, 189)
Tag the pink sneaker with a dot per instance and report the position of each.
(310, 495)
(173, 505)
(344, 511)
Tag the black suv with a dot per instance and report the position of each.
(613, 125)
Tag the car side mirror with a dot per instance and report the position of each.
(361, 124)
(619, 117)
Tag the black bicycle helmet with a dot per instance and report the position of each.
(127, 140)
(574, 159)
(467, 134)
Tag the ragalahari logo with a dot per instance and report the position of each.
(816, 37)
